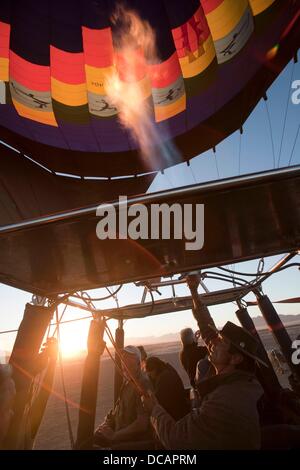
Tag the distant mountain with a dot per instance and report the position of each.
(168, 338)
(259, 321)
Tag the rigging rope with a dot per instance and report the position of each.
(263, 273)
(52, 324)
(260, 267)
(135, 382)
(99, 299)
(115, 296)
(233, 274)
(114, 361)
(74, 319)
(271, 131)
(168, 178)
(86, 298)
(240, 151)
(209, 276)
(192, 172)
(286, 113)
(229, 278)
(294, 146)
(216, 162)
(59, 320)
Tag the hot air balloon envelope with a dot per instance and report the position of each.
(210, 65)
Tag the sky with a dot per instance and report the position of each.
(255, 151)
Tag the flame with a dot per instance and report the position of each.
(272, 52)
(128, 87)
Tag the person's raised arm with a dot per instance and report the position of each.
(200, 310)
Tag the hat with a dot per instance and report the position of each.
(241, 339)
(134, 351)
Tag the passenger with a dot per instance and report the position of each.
(168, 387)
(204, 370)
(128, 420)
(191, 353)
(7, 395)
(144, 356)
(228, 416)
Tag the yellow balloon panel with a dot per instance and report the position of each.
(258, 6)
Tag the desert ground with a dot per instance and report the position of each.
(53, 433)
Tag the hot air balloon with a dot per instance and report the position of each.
(186, 75)
(213, 61)
(97, 97)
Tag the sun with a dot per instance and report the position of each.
(73, 338)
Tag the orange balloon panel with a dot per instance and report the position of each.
(58, 61)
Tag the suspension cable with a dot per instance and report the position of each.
(271, 132)
(240, 151)
(263, 273)
(260, 268)
(59, 320)
(286, 113)
(216, 162)
(51, 324)
(294, 146)
(115, 362)
(152, 302)
(168, 178)
(86, 298)
(232, 278)
(99, 299)
(115, 297)
(135, 382)
(225, 280)
(192, 173)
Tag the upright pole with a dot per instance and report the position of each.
(24, 360)
(266, 375)
(89, 387)
(118, 379)
(278, 330)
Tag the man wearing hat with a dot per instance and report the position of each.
(227, 417)
(127, 421)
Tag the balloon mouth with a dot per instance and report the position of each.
(129, 87)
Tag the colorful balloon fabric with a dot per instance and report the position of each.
(56, 58)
